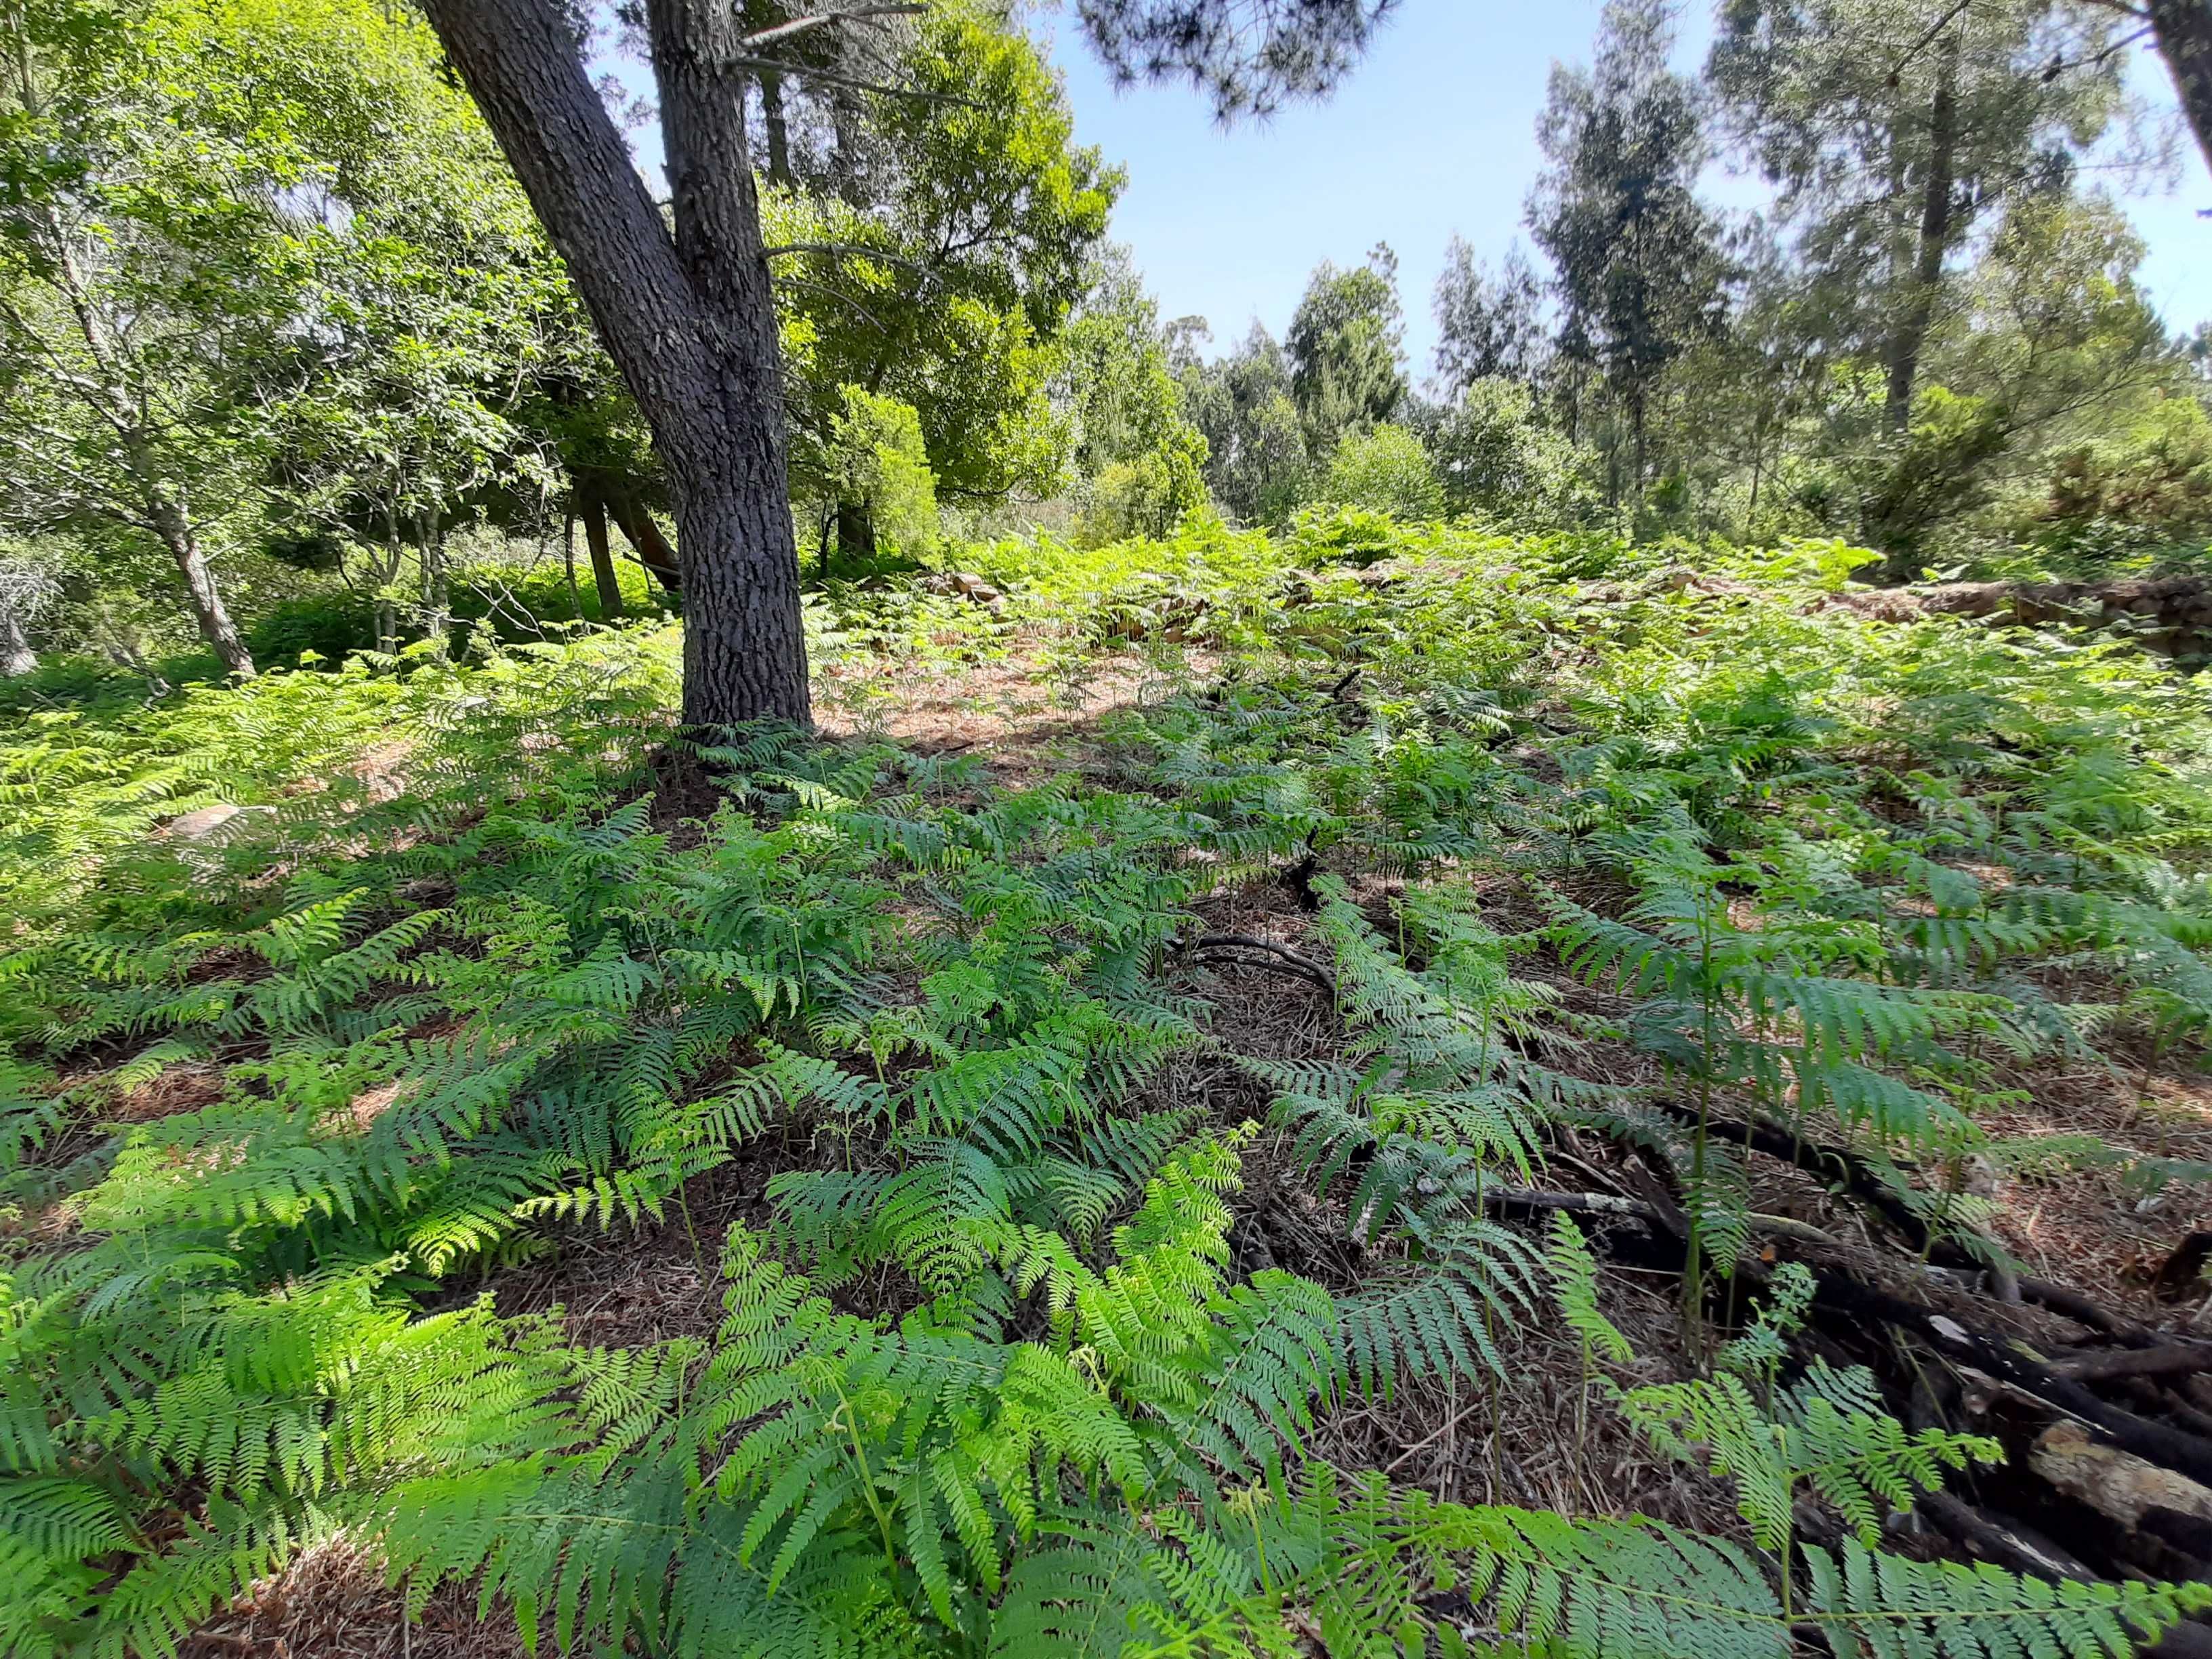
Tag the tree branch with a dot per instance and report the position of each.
(800, 25)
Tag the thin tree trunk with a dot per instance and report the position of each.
(592, 509)
(777, 127)
(175, 526)
(1636, 426)
(856, 533)
(2183, 29)
(569, 562)
(1935, 243)
(690, 322)
(437, 598)
(642, 531)
(16, 656)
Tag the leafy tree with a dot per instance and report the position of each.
(2051, 322)
(949, 286)
(1344, 348)
(878, 467)
(1639, 267)
(1496, 455)
(1118, 390)
(1385, 470)
(1488, 325)
(26, 587)
(2149, 482)
(148, 265)
(1892, 128)
(1257, 465)
(440, 306)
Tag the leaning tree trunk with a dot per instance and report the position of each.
(639, 528)
(592, 507)
(2183, 29)
(1935, 233)
(690, 322)
(178, 534)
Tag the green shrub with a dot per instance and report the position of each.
(1496, 456)
(1385, 470)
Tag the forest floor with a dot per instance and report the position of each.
(1520, 1440)
(1867, 954)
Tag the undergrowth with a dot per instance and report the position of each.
(989, 1380)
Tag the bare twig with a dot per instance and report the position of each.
(816, 20)
(1291, 961)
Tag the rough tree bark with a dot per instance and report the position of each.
(690, 322)
(1935, 243)
(2183, 29)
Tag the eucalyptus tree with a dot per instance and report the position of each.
(1893, 129)
(1257, 463)
(1118, 392)
(1346, 350)
(1639, 265)
(1488, 326)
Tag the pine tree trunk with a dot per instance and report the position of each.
(1936, 232)
(690, 322)
(2183, 29)
(593, 510)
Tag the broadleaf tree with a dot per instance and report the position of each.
(944, 275)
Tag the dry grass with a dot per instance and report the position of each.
(331, 1602)
(1027, 728)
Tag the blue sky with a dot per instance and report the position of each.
(1434, 133)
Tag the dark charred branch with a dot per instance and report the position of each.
(1841, 1295)
(1272, 954)
(2182, 1273)
(1838, 1166)
(2179, 1359)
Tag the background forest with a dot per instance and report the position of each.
(290, 367)
(1557, 1002)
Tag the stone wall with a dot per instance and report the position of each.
(2171, 615)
